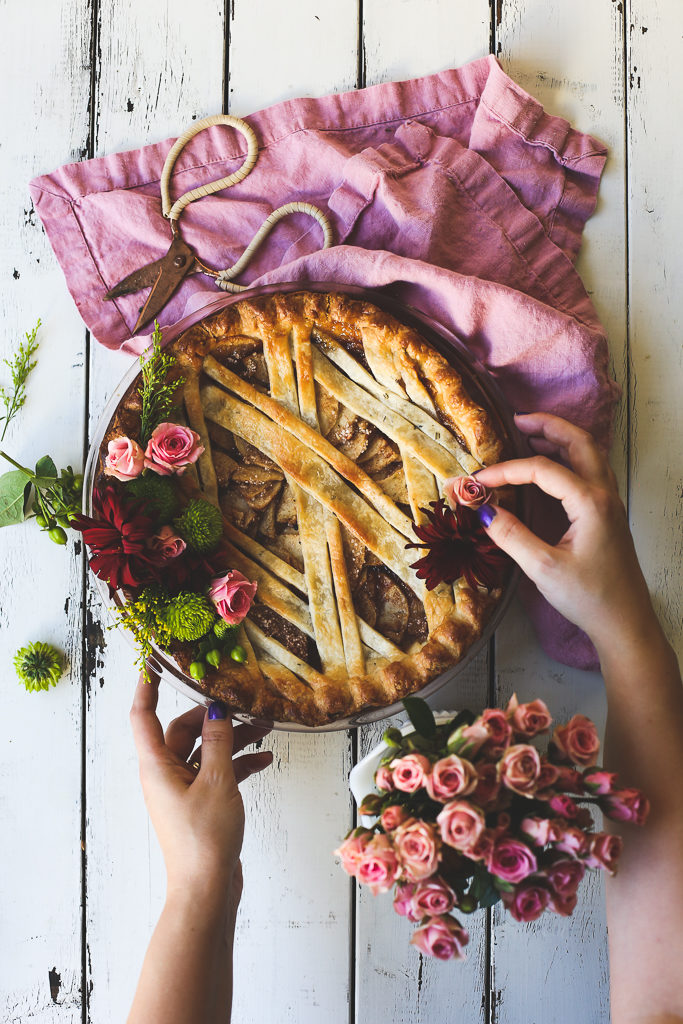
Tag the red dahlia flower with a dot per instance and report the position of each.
(118, 538)
(457, 545)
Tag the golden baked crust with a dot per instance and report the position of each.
(328, 426)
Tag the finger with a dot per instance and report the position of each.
(245, 734)
(510, 535)
(195, 758)
(250, 764)
(583, 454)
(556, 480)
(183, 731)
(217, 743)
(147, 732)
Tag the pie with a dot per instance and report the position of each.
(328, 428)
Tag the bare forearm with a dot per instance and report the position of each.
(186, 976)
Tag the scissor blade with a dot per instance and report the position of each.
(143, 277)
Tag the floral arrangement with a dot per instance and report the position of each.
(470, 812)
(156, 545)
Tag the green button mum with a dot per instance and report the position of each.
(39, 666)
(200, 524)
(189, 616)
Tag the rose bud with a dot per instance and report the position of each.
(371, 804)
(460, 824)
(511, 860)
(403, 902)
(166, 544)
(604, 852)
(418, 848)
(572, 840)
(482, 847)
(392, 817)
(564, 876)
(600, 782)
(441, 937)
(578, 740)
(537, 829)
(569, 780)
(488, 786)
(409, 772)
(384, 778)
(563, 903)
(451, 776)
(468, 739)
(501, 731)
(378, 867)
(465, 490)
(520, 768)
(432, 897)
(528, 900)
(530, 719)
(351, 851)
(626, 805)
(563, 805)
(548, 776)
(125, 459)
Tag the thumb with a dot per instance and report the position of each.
(217, 744)
(516, 540)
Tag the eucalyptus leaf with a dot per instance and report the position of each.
(46, 468)
(420, 715)
(14, 494)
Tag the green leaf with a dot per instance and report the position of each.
(483, 890)
(465, 717)
(420, 715)
(45, 467)
(14, 492)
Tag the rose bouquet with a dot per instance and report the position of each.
(471, 812)
(152, 538)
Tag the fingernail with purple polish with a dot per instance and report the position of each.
(486, 515)
(216, 710)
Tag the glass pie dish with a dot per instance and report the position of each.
(478, 385)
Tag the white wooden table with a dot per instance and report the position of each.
(81, 878)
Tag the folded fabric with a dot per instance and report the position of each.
(456, 192)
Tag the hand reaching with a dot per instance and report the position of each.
(197, 814)
(592, 575)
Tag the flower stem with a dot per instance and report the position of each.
(18, 465)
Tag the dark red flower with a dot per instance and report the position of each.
(457, 545)
(118, 538)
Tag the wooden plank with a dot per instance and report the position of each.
(655, 80)
(45, 77)
(543, 47)
(393, 981)
(157, 70)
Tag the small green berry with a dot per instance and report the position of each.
(41, 520)
(238, 654)
(64, 521)
(467, 903)
(77, 483)
(214, 657)
(39, 666)
(197, 670)
(58, 535)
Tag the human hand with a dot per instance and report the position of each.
(197, 814)
(592, 575)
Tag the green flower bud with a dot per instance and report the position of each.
(58, 535)
(467, 903)
(39, 666)
(197, 670)
(238, 654)
(372, 804)
(393, 737)
(200, 524)
(214, 657)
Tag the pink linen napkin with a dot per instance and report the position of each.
(456, 192)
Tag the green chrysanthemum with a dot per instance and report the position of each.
(226, 633)
(200, 524)
(158, 492)
(189, 616)
(39, 666)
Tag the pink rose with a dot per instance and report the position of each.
(501, 731)
(378, 867)
(468, 739)
(547, 777)
(578, 740)
(537, 829)
(482, 847)
(572, 840)
(600, 783)
(460, 824)
(563, 805)
(125, 459)
(488, 786)
(451, 776)
(418, 848)
(568, 779)
(433, 897)
(465, 490)
(403, 902)
(351, 851)
(392, 817)
(232, 595)
(626, 805)
(384, 778)
(442, 937)
(563, 903)
(604, 851)
(520, 768)
(528, 719)
(409, 772)
(528, 901)
(564, 876)
(172, 448)
(511, 860)
(166, 544)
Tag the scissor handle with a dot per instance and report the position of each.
(172, 210)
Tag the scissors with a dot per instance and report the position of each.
(165, 275)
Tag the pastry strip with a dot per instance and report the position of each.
(270, 591)
(277, 565)
(395, 398)
(195, 415)
(280, 653)
(316, 477)
(441, 463)
(315, 441)
(378, 643)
